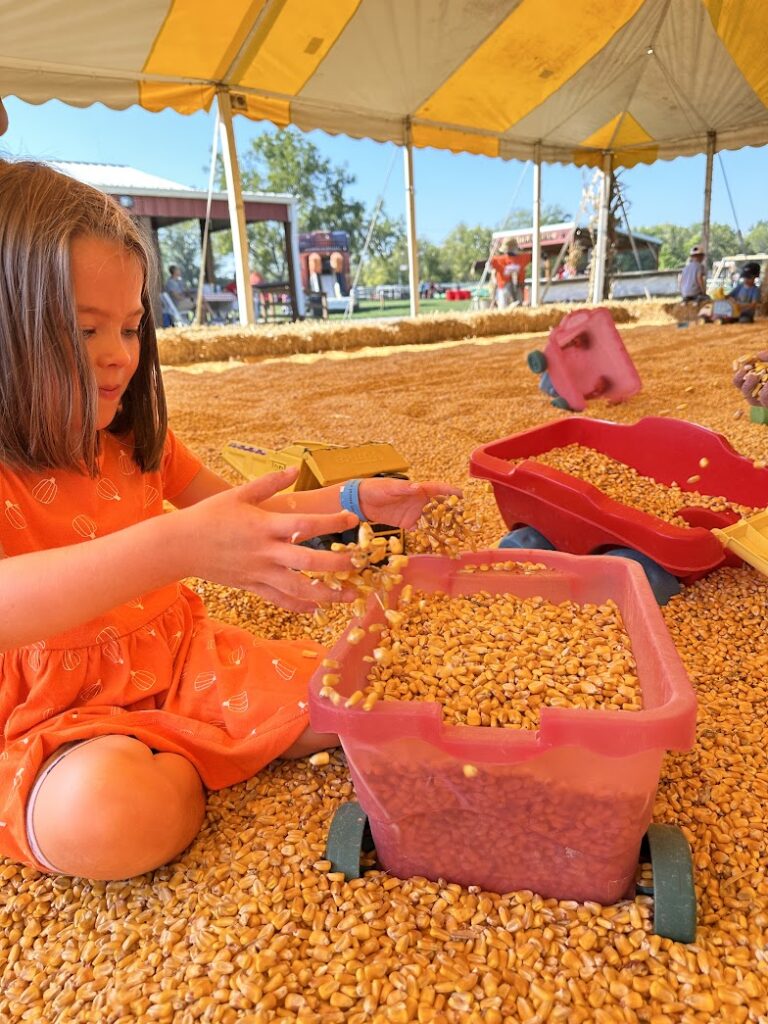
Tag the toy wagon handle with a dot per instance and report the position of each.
(488, 467)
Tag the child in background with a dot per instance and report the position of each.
(747, 293)
(119, 698)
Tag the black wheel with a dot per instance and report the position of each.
(348, 838)
(663, 584)
(537, 361)
(674, 895)
(560, 403)
(526, 537)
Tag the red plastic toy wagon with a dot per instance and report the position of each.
(546, 508)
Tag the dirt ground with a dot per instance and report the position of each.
(246, 926)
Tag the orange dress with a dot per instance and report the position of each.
(156, 668)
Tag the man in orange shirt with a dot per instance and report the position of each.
(509, 266)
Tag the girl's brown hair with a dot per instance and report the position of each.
(46, 382)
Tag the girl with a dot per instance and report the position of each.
(119, 699)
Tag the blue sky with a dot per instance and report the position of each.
(450, 188)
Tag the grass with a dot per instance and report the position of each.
(367, 309)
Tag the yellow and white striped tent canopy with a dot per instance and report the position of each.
(645, 79)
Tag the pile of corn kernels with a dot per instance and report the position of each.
(496, 660)
(250, 926)
(625, 484)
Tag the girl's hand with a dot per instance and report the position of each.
(748, 380)
(236, 543)
(385, 499)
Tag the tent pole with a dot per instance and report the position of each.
(711, 141)
(207, 228)
(536, 254)
(236, 209)
(601, 246)
(410, 216)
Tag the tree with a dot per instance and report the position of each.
(677, 242)
(463, 247)
(180, 244)
(757, 237)
(432, 262)
(387, 251)
(284, 160)
(522, 217)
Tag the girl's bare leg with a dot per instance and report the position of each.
(112, 809)
(310, 742)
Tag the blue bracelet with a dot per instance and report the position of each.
(349, 498)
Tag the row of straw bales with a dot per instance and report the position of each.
(184, 345)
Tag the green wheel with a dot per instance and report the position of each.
(537, 361)
(674, 895)
(348, 838)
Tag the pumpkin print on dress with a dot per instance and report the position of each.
(109, 638)
(35, 656)
(283, 669)
(107, 490)
(85, 527)
(14, 515)
(89, 692)
(151, 495)
(70, 660)
(238, 702)
(45, 491)
(142, 679)
(203, 681)
(127, 465)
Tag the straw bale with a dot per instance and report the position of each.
(183, 345)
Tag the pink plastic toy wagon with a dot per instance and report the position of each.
(585, 358)
(562, 810)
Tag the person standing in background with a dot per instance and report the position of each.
(509, 268)
(693, 277)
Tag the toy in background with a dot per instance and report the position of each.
(584, 359)
(739, 305)
(751, 378)
(337, 266)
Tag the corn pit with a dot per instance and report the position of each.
(496, 660)
(250, 925)
(623, 483)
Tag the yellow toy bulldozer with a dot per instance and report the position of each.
(321, 465)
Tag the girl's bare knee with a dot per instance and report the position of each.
(112, 809)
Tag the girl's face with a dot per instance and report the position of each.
(107, 281)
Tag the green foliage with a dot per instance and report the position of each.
(180, 244)
(285, 160)
(522, 217)
(677, 241)
(462, 248)
(757, 237)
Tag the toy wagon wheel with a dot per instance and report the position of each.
(663, 584)
(674, 895)
(537, 361)
(526, 537)
(348, 838)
